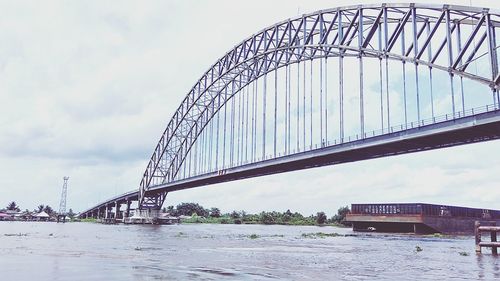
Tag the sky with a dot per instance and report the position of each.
(87, 88)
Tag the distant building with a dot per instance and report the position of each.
(6, 217)
(11, 215)
(42, 216)
(26, 216)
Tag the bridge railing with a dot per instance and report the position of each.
(357, 137)
(381, 208)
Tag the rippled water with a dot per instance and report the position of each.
(86, 251)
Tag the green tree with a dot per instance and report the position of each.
(287, 216)
(40, 208)
(215, 212)
(171, 210)
(320, 218)
(188, 209)
(47, 209)
(234, 215)
(266, 218)
(243, 215)
(12, 206)
(341, 214)
(71, 214)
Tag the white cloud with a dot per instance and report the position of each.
(86, 88)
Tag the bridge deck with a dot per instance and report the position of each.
(470, 129)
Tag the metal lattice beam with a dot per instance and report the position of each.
(326, 33)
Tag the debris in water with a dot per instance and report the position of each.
(16, 234)
(320, 235)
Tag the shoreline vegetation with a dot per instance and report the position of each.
(191, 213)
(262, 218)
(195, 213)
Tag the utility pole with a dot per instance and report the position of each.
(62, 204)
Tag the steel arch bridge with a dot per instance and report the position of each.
(329, 87)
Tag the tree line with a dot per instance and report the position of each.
(214, 215)
(12, 206)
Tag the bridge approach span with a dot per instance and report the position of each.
(329, 87)
(465, 130)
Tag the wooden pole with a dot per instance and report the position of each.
(477, 233)
(494, 239)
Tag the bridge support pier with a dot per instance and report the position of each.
(108, 212)
(127, 210)
(117, 210)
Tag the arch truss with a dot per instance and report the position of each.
(228, 115)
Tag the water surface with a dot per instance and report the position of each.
(88, 251)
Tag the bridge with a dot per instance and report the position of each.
(334, 86)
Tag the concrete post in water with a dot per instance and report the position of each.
(477, 235)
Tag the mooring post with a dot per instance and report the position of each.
(494, 239)
(477, 233)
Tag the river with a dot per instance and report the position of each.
(89, 251)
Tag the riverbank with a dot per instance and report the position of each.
(229, 220)
(255, 220)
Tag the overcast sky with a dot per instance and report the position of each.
(86, 89)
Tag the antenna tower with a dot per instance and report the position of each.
(62, 204)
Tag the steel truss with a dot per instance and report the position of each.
(367, 31)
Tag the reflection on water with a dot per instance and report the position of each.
(85, 251)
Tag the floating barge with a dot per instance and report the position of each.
(150, 217)
(418, 218)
